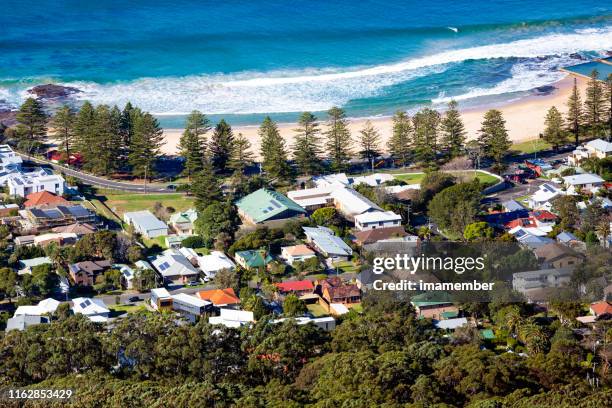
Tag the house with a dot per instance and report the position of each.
(146, 223)
(338, 309)
(41, 179)
(528, 240)
(313, 198)
(512, 205)
(22, 322)
(161, 300)
(583, 182)
(298, 288)
(350, 203)
(8, 210)
(190, 306)
(253, 258)
(326, 243)
(44, 199)
(93, 308)
(183, 222)
(296, 253)
(63, 238)
(597, 148)
(538, 223)
(26, 265)
(267, 207)
(373, 180)
(539, 167)
(542, 198)
(127, 275)
(570, 240)
(44, 307)
(232, 318)
(58, 216)
(214, 262)
(380, 234)
(601, 309)
(326, 323)
(334, 290)
(10, 162)
(433, 305)
(377, 219)
(331, 180)
(174, 267)
(451, 324)
(86, 273)
(556, 255)
(220, 297)
(525, 282)
(79, 229)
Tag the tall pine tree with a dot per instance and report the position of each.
(31, 123)
(306, 148)
(338, 139)
(426, 124)
(594, 104)
(221, 146)
(106, 143)
(494, 136)
(206, 187)
(63, 129)
(453, 130)
(192, 146)
(575, 113)
(146, 141)
(85, 132)
(273, 151)
(400, 141)
(369, 141)
(241, 155)
(554, 131)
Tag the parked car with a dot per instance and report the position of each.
(134, 299)
(193, 283)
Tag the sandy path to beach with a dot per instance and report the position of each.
(524, 119)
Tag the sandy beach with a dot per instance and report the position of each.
(524, 119)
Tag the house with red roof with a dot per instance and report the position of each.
(599, 309)
(44, 199)
(220, 297)
(298, 288)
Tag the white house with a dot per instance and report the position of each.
(127, 275)
(546, 278)
(296, 253)
(587, 181)
(232, 318)
(313, 198)
(597, 148)
(146, 223)
(183, 222)
(174, 267)
(350, 203)
(373, 180)
(190, 306)
(45, 306)
(161, 299)
(26, 265)
(451, 324)
(93, 308)
(9, 161)
(337, 180)
(214, 262)
(327, 323)
(329, 245)
(24, 183)
(377, 219)
(541, 199)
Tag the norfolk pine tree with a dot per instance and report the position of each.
(426, 124)
(273, 151)
(84, 131)
(221, 146)
(63, 128)
(105, 145)
(206, 187)
(369, 140)
(146, 141)
(241, 155)
(399, 143)
(306, 148)
(575, 114)
(338, 139)
(192, 145)
(554, 132)
(594, 103)
(494, 136)
(453, 130)
(31, 122)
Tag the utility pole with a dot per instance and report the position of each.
(145, 178)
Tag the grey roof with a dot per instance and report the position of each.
(512, 205)
(21, 322)
(600, 145)
(327, 242)
(145, 220)
(566, 237)
(586, 178)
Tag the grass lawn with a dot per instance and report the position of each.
(347, 266)
(523, 200)
(117, 310)
(101, 209)
(531, 146)
(149, 242)
(122, 202)
(357, 307)
(416, 178)
(317, 310)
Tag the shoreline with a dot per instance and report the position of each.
(524, 119)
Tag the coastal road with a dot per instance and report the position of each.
(98, 181)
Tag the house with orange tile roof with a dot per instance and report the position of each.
(44, 199)
(602, 308)
(296, 253)
(220, 297)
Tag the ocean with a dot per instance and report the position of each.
(243, 59)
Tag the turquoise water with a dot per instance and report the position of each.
(241, 60)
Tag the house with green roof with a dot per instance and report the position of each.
(267, 207)
(253, 259)
(183, 222)
(434, 305)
